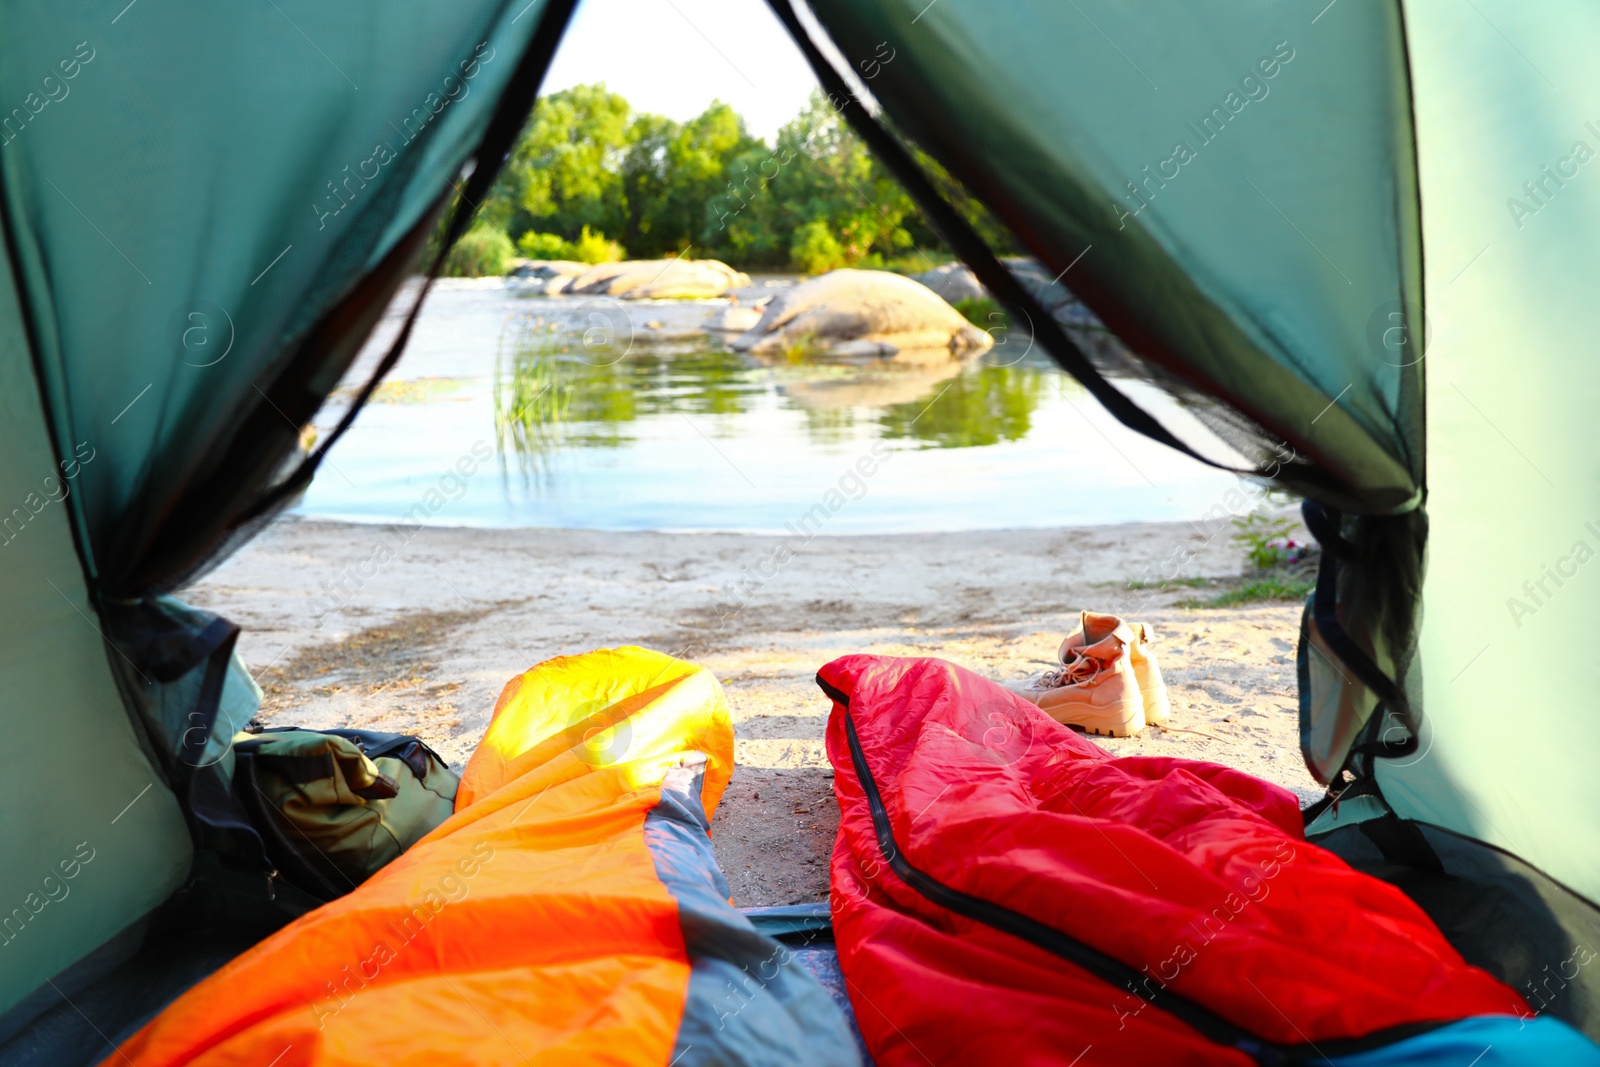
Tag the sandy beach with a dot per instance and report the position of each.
(416, 630)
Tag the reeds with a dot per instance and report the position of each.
(532, 394)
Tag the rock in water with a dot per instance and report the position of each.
(546, 276)
(734, 319)
(859, 314)
(647, 279)
(956, 281)
(953, 282)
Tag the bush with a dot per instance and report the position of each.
(536, 245)
(481, 252)
(594, 248)
(588, 248)
(814, 249)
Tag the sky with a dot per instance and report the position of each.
(674, 57)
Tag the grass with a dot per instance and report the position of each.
(801, 348)
(531, 396)
(1265, 590)
(1277, 569)
(1174, 583)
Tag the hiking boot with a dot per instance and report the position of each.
(1094, 688)
(1094, 627)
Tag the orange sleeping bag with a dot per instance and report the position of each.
(570, 911)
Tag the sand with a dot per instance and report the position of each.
(417, 630)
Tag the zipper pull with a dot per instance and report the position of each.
(272, 893)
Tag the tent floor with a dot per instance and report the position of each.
(1501, 914)
(84, 1014)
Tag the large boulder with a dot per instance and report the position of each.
(956, 281)
(953, 282)
(737, 317)
(863, 314)
(657, 279)
(548, 268)
(546, 276)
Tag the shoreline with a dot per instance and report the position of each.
(422, 640)
(362, 523)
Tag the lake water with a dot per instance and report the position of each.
(603, 415)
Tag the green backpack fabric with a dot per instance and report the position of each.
(333, 806)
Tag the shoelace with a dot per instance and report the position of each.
(1075, 671)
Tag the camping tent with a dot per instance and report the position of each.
(1337, 231)
(1349, 235)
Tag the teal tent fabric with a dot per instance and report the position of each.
(92, 837)
(1505, 99)
(206, 208)
(211, 181)
(1218, 264)
(1229, 187)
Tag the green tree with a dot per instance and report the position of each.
(826, 175)
(739, 218)
(645, 174)
(673, 174)
(814, 200)
(565, 171)
(814, 250)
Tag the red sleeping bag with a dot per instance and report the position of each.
(1006, 892)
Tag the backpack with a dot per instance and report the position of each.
(333, 806)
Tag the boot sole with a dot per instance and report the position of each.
(1098, 721)
(1097, 725)
(1107, 732)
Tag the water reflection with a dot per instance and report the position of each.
(984, 406)
(556, 388)
(630, 417)
(531, 396)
